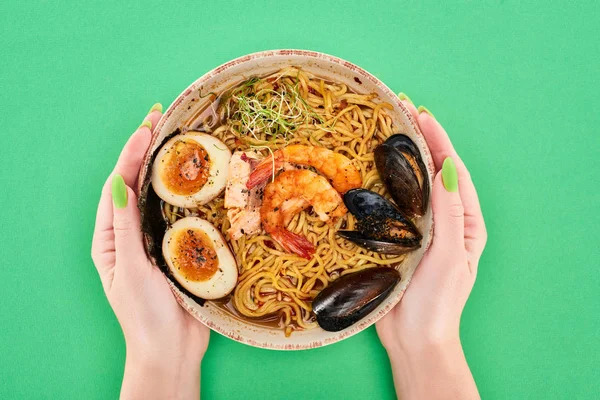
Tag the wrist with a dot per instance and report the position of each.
(432, 346)
(159, 375)
(432, 370)
(167, 364)
(165, 356)
(173, 349)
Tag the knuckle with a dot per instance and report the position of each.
(95, 253)
(456, 210)
(122, 227)
(473, 267)
(123, 233)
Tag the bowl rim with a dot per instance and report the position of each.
(390, 302)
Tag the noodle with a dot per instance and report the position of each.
(273, 283)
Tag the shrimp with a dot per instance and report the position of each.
(290, 193)
(336, 167)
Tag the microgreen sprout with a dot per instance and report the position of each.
(268, 109)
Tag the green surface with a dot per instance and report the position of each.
(515, 85)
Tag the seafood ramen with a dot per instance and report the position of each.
(289, 200)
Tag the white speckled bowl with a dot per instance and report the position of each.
(331, 68)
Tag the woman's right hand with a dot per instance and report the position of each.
(421, 334)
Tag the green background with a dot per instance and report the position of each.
(515, 85)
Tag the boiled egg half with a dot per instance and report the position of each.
(190, 169)
(199, 259)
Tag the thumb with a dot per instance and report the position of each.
(126, 220)
(448, 211)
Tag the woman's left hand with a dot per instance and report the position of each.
(165, 344)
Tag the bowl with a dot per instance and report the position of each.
(188, 103)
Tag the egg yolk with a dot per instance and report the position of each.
(193, 255)
(185, 167)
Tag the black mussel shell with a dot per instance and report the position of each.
(381, 246)
(353, 296)
(401, 167)
(400, 179)
(363, 203)
(411, 151)
(404, 144)
(377, 218)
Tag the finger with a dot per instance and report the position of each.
(127, 166)
(126, 221)
(132, 155)
(437, 139)
(103, 246)
(154, 114)
(475, 230)
(441, 147)
(448, 214)
(409, 105)
(103, 242)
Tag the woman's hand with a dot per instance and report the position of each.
(165, 345)
(421, 334)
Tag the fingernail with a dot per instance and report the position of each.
(156, 107)
(423, 109)
(449, 175)
(119, 191)
(147, 124)
(403, 96)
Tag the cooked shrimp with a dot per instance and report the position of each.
(336, 167)
(290, 193)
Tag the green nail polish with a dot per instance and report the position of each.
(119, 191)
(147, 124)
(156, 107)
(449, 175)
(403, 96)
(424, 109)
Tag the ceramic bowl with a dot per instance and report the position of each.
(180, 115)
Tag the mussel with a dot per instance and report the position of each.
(381, 227)
(401, 167)
(381, 246)
(353, 296)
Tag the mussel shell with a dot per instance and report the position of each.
(404, 144)
(378, 218)
(409, 148)
(381, 246)
(353, 296)
(400, 168)
(363, 203)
